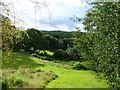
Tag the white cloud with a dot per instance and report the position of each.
(56, 10)
(67, 2)
(81, 26)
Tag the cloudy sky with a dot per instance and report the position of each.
(48, 14)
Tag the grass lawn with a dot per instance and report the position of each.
(67, 78)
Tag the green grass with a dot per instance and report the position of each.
(19, 70)
(48, 52)
(56, 63)
(17, 60)
(67, 78)
(24, 77)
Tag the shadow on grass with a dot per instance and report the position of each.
(17, 60)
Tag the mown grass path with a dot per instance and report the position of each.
(69, 78)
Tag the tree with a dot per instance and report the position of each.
(52, 42)
(23, 44)
(60, 54)
(67, 42)
(9, 34)
(102, 40)
(36, 39)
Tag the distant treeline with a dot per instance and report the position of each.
(59, 34)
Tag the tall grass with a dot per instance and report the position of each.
(19, 70)
(26, 78)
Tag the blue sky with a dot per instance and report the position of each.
(53, 16)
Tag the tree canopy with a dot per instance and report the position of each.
(100, 44)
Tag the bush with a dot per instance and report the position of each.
(60, 54)
(73, 54)
(79, 66)
(41, 54)
(87, 64)
(35, 55)
(42, 57)
(5, 84)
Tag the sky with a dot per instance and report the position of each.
(48, 14)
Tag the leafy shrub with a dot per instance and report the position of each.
(72, 63)
(35, 55)
(42, 57)
(73, 54)
(87, 64)
(60, 54)
(5, 84)
(79, 66)
(49, 58)
(45, 53)
(41, 54)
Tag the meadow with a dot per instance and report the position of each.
(24, 70)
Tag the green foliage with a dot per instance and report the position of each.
(82, 43)
(5, 84)
(10, 34)
(59, 39)
(42, 57)
(22, 45)
(52, 42)
(60, 54)
(100, 44)
(73, 54)
(36, 39)
(33, 39)
(79, 66)
(67, 42)
(12, 81)
(87, 64)
(17, 82)
(59, 34)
